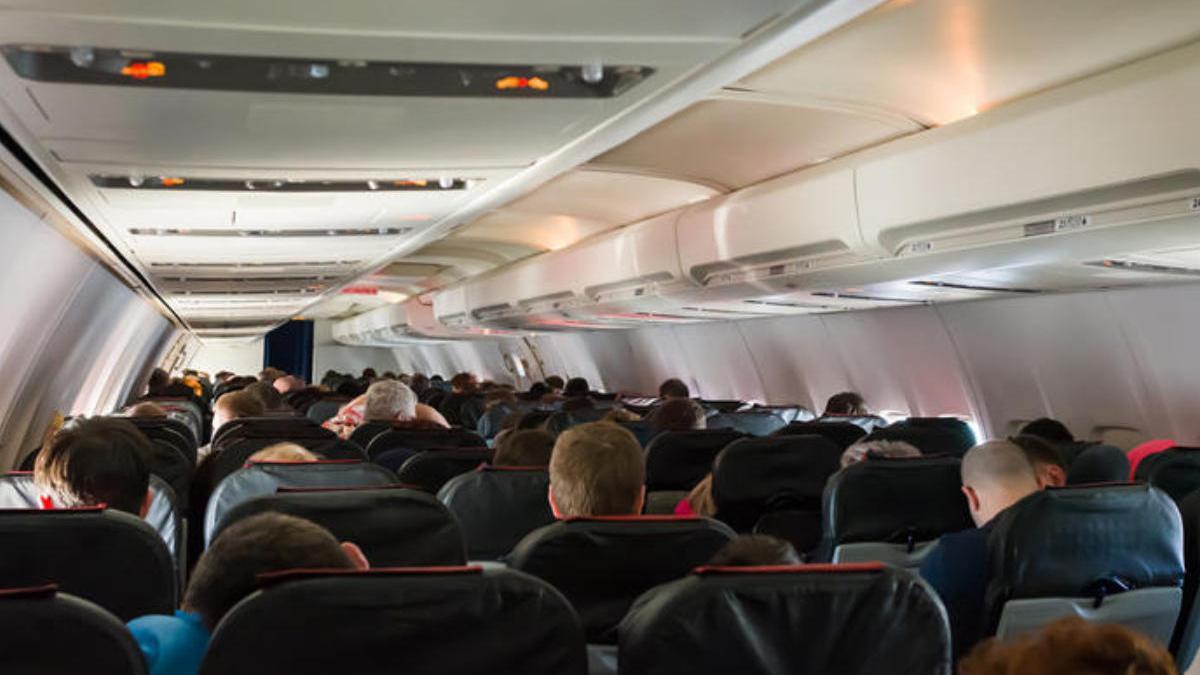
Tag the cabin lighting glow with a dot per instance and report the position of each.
(514, 82)
(143, 70)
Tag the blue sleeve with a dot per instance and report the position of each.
(171, 645)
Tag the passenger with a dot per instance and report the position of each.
(145, 409)
(284, 453)
(368, 375)
(158, 382)
(389, 375)
(995, 475)
(755, 550)
(1099, 464)
(537, 392)
(1046, 460)
(699, 501)
(271, 400)
(597, 469)
(270, 374)
(556, 385)
(234, 406)
(621, 414)
(1141, 452)
(673, 388)
(385, 401)
(876, 449)
(578, 395)
(1049, 430)
(288, 384)
(223, 376)
(846, 404)
(677, 414)
(528, 447)
(419, 384)
(463, 386)
(101, 461)
(1072, 645)
(228, 572)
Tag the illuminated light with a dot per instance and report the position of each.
(168, 181)
(514, 82)
(83, 57)
(445, 182)
(250, 185)
(142, 70)
(410, 183)
(318, 71)
(360, 290)
(372, 185)
(592, 73)
(136, 180)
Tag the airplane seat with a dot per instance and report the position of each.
(1186, 640)
(716, 406)
(267, 425)
(184, 410)
(172, 466)
(534, 419)
(958, 429)
(111, 558)
(663, 502)
(265, 478)
(1107, 553)
(432, 620)
(170, 430)
(1175, 471)
(929, 440)
(782, 476)
(37, 619)
(497, 506)
(431, 469)
(417, 439)
(893, 509)
(395, 526)
(325, 409)
(491, 420)
(796, 619)
(642, 430)
(563, 420)
(677, 460)
(789, 413)
(366, 432)
(238, 440)
(342, 449)
(1099, 463)
(471, 410)
(841, 434)
(603, 564)
(749, 422)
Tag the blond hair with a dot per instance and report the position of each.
(284, 452)
(597, 469)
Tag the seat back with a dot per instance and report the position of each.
(261, 479)
(282, 427)
(1175, 471)
(170, 430)
(366, 432)
(756, 422)
(563, 420)
(642, 430)
(789, 413)
(800, 620)
(435, 621)
(947, 435)
(430, 470)
(841, 434)
(497, 506)
(37, 620)
(1186, 640)
(325, 409)
(182, 409)
(603, 564)
(108, 557)
(677, 460)
(394, 526)
(400, 438)
(1099, 464)
(236, 446)
(893, 510)
(1112, 554)
(757, 476)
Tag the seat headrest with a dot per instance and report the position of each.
(1066, 542)
(756, 475)
(858, 618)
(39, 622)
(895, 500)
(497, 506)
(842, 434)
(434, 621)
(758, 422)
(1175, 471)
(423, 439)
(677, 460)
(1099, 464)
(430, 470)
(930, 440)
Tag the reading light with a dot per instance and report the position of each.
(83, 57)
(445, 182)
(373, 185)
(142, 70)
(136, 180)
(318, 71)
(592, 73)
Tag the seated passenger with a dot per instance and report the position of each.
(868, 449)
(1072, 645)
(283, 452)
(578, 395)
(1049, 430)
(145, 409)
(1141, 452)
(385, 401)
(1046, 460)
(526, 447)
(270, 374)
(846, 404)
(1099, 464)
(755, 550)
(100, 461)
(158, 382)
(699, 501)
(463, 386)
(995, 475)
(234, 406)
(677, 414)
(597, 469)
(271, 400)
(673, 388)
(227, 572)
(556, 385)
(288, 383)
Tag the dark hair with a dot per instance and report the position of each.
(1048, 430)
(419, 383)
(754, 550)
(526, 447)
(1038, 451)
(677, 414)
(1071, 645)
(555, 382)
(536, 391)
(368, 373)
(158, 381)
(267, 395)
(97, 460)
(673, 388)
(350, 388)
(577, 386)
(463, 382)
(846, 403)
(268, 542)
(1099, 464)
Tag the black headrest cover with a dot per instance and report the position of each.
(893, 500)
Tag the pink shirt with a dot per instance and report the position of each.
(1146, 449)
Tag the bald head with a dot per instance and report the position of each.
(996, 475)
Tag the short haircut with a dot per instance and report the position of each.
(419, 382)
(239, 404)
(1038, 451)
(996, 463)
(846, 403)
(867, 449)
(673, 388)
(1048, 430)
(597, 469)
(284, 452)
(268, 542)
(145, 409)
(267, 396)
(1071, 645)
(159, 379)
(678, 414)
(577, 386)
(368, 373)
(462, 381)
(526, 447)
(390, 400)
(97, 461)
(555, 382)
(754, 550)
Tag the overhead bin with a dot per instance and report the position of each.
(404, 323)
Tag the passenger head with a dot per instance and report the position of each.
(368, 374)
(1071, 645)
(97, 461)
(235, 405)
(464, 383)
(288, 384)
(1049, 430)
(500, 395)
(847, 403)
(269, 542)
(419, 383)
(673, 388)
(145, 409)
(701, 500)
(390, 400)
(755, 550)
(577, 387)
(223, 376)
(597, 469)
(678, 414)
(996, 475)
(555, 383)
(1046, 460)
(284, 452)
(527, 447)
(868, 449)
(1099, 464)
(270, 399)
(270, 374)
(159, 379)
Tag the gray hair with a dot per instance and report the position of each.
(388, 400)
(860, 451)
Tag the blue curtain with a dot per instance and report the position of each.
(290, 349)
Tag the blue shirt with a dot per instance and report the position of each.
(172, 645)
(957, 570)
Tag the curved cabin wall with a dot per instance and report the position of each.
(73, 338)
